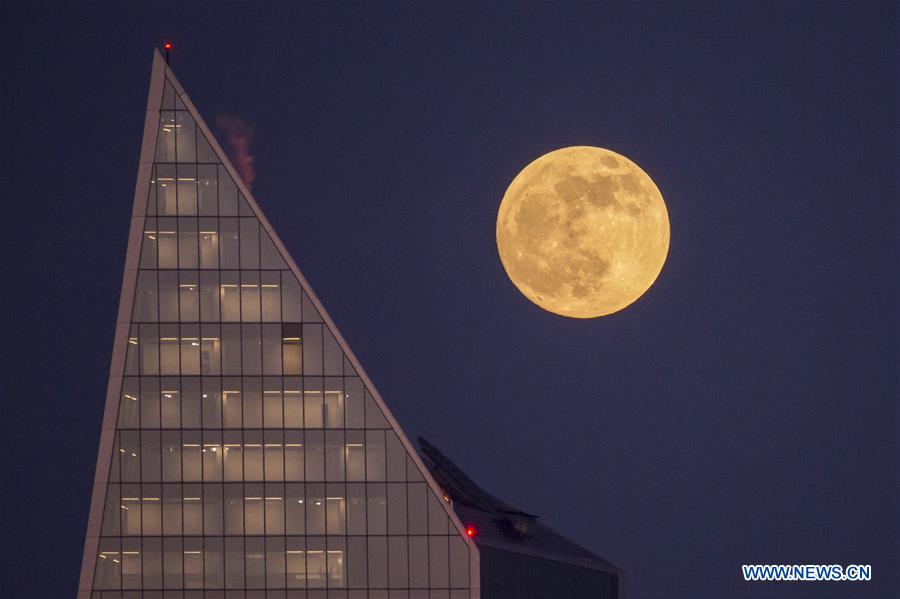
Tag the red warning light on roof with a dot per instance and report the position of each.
(167, 45)
(470, 531)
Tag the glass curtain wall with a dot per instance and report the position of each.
(250, 460)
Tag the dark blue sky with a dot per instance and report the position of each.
(744, 411)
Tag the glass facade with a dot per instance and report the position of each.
(250, 460)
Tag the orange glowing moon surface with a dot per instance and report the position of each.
(583, 232)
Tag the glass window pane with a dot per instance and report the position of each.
(312, 349)
(418, 562)
(230, 296)
(396, 504)
(295, 557)
(150, 410)
(356, 509)
(275, 563)
(251, 339)
(150, 456)
(375, 467)
(290, 298)
(131, 563)
(187, 189)
(291, 348)
(234, 563)
(212, 458)
(167, 242)
(213, 563)
(168, 349)
(166, 189)
(254, 509)
(315, 455)
(378, 562)
(255, 563)
(185, 137)
(354, 402)
(233, 456)
(229, 246)
(398, 576)
(212, 403)
(113, 512)
(271, 348)
(210, 349)
(356, 562)
(165, 138)
(168, 296)
(149, 349)
(333, 356)
(228, 200)
(231, 349)
(310, 314)
(172, 563)
(417, 503)
(249, 243)
(270, 292)
(274, 506)
(209, 296)
(376, 508)
(269, 256)
(250, 297)
(293, 456)
(188, 287)
(315, 562)
(170, 403)
(273, 411)
(129, 403)
(459, 563)
(438, 563)
(274, 455)
(293, 407)
(131, 510)
(396, 457)
(234, 509)
(374, 416)
(207, 190)
(356, 455)
(295, 509)
(171, 509)
(209, 243)
(188, 244)
(335, 509)
(193, 563)
(192, 509)
(149, 244)
(335, 557)
(151, 510)
(145, 300)
(190, 349)
(191, 456)
(334, 402)
(129, 452)
(252, 401)
(253, 455)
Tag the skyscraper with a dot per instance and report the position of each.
(244, 452)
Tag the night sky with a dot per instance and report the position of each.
(745, 410)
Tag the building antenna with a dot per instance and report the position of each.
(167, 47)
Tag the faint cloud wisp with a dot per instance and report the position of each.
(239, 139)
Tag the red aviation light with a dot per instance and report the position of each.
(470, 531)
(167, 46)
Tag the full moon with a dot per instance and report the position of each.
(582, 232)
